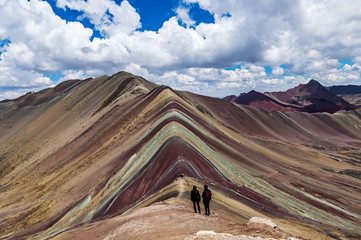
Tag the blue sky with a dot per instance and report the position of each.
(211, 47)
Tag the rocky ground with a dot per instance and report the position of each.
(174, 221)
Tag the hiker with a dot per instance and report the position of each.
(195, 197)
(207, 196)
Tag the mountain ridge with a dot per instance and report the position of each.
(310, 97)
(351, 93)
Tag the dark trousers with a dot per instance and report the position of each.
(206, 206)
(194, 205)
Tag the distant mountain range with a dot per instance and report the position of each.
(310, 97)
(351, 93)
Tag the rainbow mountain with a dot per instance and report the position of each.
(85, 154)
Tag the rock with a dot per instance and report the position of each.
(205, 233)
(210, 235)
(263, 221)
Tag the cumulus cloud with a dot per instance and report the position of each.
(40, 40)
(305, 37)
(278, 71)
(183, 16)
(73, 74)
(107, 17)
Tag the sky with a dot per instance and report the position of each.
(210, 47)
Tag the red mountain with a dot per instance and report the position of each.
(260, 100)
(310, 97)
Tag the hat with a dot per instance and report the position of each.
(205, 185)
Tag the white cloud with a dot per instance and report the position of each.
(278, 71)
(19, 53)
(347, 67)
(308, 36)
(138, 70)
(40, 40)
(256, 69)
(41, 81)
(346, 75)
(244, 74)
(73, 74)
(283, 49)
(274, 81)
(225, 85)
(185, 79)
(321, 65)
(106, 15)
(183, 15)
(215, 6)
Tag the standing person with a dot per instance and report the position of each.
(207, 196)
(195, 197)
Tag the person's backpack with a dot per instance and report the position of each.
(195, 195)
(198, 196)
(208, 195)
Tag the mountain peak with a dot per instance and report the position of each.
(250, 97)
(311, 87)
(313, 82)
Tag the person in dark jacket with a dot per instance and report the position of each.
(195, 197)
(207, 196)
